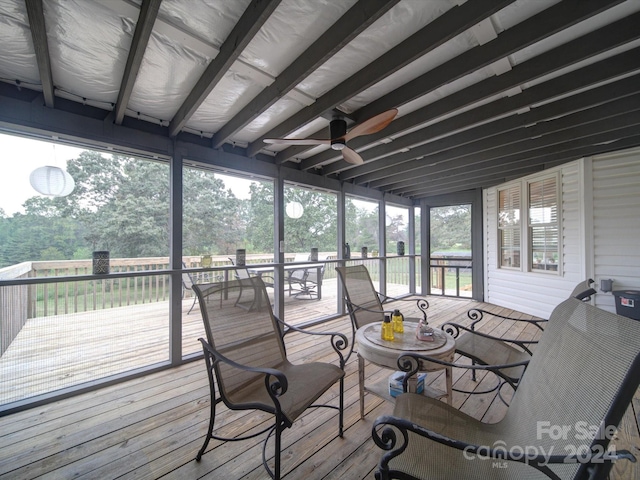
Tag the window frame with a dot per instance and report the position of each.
(516, 228)
(525, 226)
(557, 223)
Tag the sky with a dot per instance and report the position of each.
(22, 155)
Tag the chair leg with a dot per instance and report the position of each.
(276, 469)
(361, 384)
(341, 413)
(195, 299)
(212, 418)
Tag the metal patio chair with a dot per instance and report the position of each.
(365, 306)
(188, 282)
(246, 358)
(187, 286)
(580, 382)
(303, 282)
(495, 352)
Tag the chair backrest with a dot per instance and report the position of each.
(242, 273)
(298, 275)
(240, 325)
(362, 298)
(583, 375)
(187, 280)
(312, 275)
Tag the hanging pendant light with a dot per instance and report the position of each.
(52, 181)
(294, 209)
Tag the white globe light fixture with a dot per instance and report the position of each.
(294, 209)
(52, 181)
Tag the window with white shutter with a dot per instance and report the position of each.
(509, 226)
(544, 230)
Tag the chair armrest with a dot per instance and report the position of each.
(477, 315)
(275, 388)
(453, 329)
(410, 364)
(385, 435)
(586, 295)
(339, 341)
(422, 304)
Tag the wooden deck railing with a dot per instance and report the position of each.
(14, 304)
(129, 287)
(450, 275)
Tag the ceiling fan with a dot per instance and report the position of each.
(340, 136)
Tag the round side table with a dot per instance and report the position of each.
(385, 353)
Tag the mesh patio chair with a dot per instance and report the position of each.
(188, 282)
(243, 273)
(246, 358)
(303, 282)
(366, 305)
(187, 286)
(580, 382)
(485, 349)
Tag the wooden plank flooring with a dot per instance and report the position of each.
(152, 427)
(56, 352)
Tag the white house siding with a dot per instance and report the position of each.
(538, 293)
(616, 222)
(600, 236)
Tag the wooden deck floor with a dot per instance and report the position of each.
(59, 351)
(152, 427)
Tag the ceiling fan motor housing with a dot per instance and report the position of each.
(338, 130)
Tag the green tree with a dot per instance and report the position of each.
(260, 218)
(361, 227)
(122, 203)
(214, 219)
(451, 228)
(317, 227)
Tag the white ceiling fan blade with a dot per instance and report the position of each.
(351, 156)
(297, 141)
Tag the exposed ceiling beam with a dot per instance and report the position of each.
(549, 161)
(357, 19)
(540, 153)
(243, 32)
(583, 48)
(144, 27)
(38, 29)
(525, 141)
(455, 21)
(550, 117)
(188, 39)
(573, 103)
(534, 29)
(546, 23)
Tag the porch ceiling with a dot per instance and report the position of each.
(486, 90)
